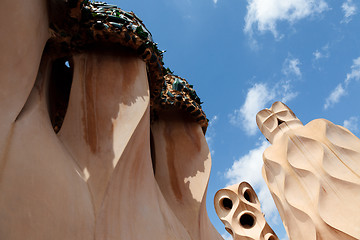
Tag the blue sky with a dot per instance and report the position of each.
(242, 55)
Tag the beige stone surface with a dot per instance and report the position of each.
(108, 173)
(24, 32)
(43, 193)
(95, 179)
(313, 173)
(182, 166)
(238, 207)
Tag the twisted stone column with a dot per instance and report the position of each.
(313, 173)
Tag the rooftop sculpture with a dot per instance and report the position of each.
(97, 24)
(238, 207)
(100, 140)
(313, 173)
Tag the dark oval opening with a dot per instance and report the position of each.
(248, 196)
(227, 203)
(59, 90)
(247, 221)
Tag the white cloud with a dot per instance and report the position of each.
(284, 91)
(210, 134)
(349, 9)
(265, 14)
(260, 95)
(256, 99)
(322, 53)
(355, 72)
(335, 96)
(340, 89)
(248, 168)
(291, 67)
(352, 124)
(317, 54)
(215, 1)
